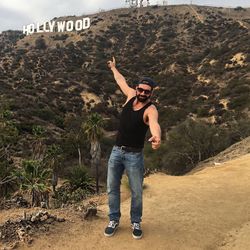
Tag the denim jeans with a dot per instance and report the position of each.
(133, 163)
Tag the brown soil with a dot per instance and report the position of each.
(206, 210)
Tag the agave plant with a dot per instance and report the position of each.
(34, 178)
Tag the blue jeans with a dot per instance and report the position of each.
(133, 163)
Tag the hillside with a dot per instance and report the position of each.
(236, 150)
(49, 85)
(199, 56)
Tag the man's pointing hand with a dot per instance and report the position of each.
(111, 64)
(156, 142)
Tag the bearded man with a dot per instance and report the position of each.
(138, 114)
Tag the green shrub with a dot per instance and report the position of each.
(40, 43)
(61, 37)
(239, 129)
(240, 102)
(203, 111)
(45, 113)
(79, 178)
(77, 188)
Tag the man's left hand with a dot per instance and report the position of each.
(156, 142)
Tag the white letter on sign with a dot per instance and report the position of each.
(70, 26)
(78, 25)
(38, 28)
(86, 23)
(44, 27)
(26, 30)
(60, 26)
(31, 28)
(51, 25)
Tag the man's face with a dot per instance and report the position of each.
(143, 92)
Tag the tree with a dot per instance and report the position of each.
(37, 146)
(53, 159)
(191, 142)
(93, 128)
(73, 139)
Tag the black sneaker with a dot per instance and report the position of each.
(111, 228)
(137, 232)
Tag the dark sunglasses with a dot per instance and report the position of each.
(146, 91)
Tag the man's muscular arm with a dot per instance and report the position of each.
(155, 128)
(129, 92)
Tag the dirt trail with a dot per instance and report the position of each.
(209, 209)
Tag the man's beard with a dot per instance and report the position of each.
(142, 98)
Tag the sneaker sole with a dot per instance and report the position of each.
(136, 237)
(110, 235)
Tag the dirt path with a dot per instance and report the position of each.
(207, 210)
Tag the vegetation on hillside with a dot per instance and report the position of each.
(203, 97)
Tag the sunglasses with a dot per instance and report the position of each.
(146, 91)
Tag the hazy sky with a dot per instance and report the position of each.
(16, 13)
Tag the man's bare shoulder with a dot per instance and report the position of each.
(131, 94)
(152, 108)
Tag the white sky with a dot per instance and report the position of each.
(16, 13)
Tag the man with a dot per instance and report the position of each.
(137, 116)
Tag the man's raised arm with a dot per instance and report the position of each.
(120, 79)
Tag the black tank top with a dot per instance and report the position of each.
(132, 129)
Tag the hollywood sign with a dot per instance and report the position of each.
(60, 26)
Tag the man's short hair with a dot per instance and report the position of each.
(148, 81)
